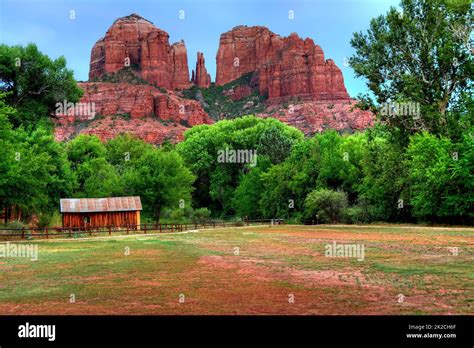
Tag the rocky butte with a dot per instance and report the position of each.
(134, 41)
(302, 88)
(138, 83)
(284, 67)
(134, 73)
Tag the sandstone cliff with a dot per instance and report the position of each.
(134, 41)
(284, 67)
(142, 110)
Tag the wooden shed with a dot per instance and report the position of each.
(100, 212)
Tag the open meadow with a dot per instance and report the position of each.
(283, 269)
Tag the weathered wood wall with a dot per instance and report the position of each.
(117, 218)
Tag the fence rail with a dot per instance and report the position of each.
(78, 232)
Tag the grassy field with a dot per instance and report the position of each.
(247, 270)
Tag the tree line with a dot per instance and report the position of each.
(407, 168)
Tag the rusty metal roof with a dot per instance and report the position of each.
(90, 205)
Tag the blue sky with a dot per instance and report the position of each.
(330, 23)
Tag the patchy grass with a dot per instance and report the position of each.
(248, 270)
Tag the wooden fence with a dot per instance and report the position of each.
(78, 232)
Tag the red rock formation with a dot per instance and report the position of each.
(141, 110)
(284, 67)
(238, 92)
(134, 41)
(315, 116)
(201, 78)
(180, 65)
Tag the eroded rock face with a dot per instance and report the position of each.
(238, 92)
(135, 41)
(200, 77)
(303, 89)
(284, 67)
(141, 110)
(316, 116)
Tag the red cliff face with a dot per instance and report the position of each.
(316, 116)
(141, 110)
(134, 41)
(284, 67)
(200, 76)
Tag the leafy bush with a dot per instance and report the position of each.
(15, 224)
(201, 215)
(44, 219)
(327, 205)
(355, 214)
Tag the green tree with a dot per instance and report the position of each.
(286, 185)
(35, 82)
(340, 163)
(161, 179)
(84, 148)
(125, 149)
(441, 179)
(325, 205)
(98, 178)
(217, 180)
(384, 178)
(95, 176)
(246, 198)
(420, 54)
(34, 171)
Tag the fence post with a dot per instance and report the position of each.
(160, 228)
(47, 236)
(110, 230)
(22, 233)
(127, 229)
(145, 228)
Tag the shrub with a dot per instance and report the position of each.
(201, 215)
(14, 224)
(328, 205)
(355, 214)
(44, 219)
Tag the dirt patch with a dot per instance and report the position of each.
(268, 271)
